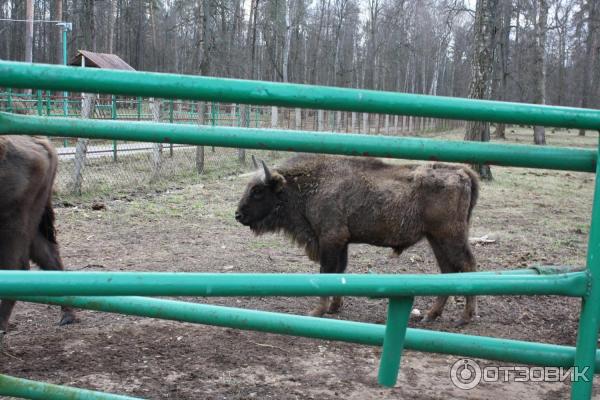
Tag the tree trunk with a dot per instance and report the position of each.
(29, 31)
(589, 61)
(539, 132)
(111, 25)
(287, 39)
(504, 42)
(481, 67)
(58, 16)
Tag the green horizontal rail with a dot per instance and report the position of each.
(59, 283)
(27, 389)
(324, 328)
(53, 77)
(350, 144)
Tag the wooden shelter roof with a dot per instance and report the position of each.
(100, 60)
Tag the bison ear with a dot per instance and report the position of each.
(276, 182)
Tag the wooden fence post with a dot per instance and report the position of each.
(298, 119)
(156, 147)
(244, 122)
(200, 149)
(87, 111)
(320, 118)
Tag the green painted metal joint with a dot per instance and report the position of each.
(556, 269)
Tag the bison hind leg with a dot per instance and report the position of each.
(453, 256)
(322, 308)
(44, 252)
(335, 305)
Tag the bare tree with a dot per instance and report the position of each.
(591, 6)
(539, 75)
(479, 88)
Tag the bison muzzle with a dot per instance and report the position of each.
(325, 203)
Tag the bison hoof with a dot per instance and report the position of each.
(428, 318)
(67, 318)
(317, 312)
(462, 322)
(335, 307)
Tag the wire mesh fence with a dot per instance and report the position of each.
(105, 167)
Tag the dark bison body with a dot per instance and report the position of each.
(324, 203)
(27, 170)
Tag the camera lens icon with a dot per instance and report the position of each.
(465, 374)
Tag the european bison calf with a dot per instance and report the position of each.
(324, 203)
(27, 171)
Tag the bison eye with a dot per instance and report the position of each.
(257, 193)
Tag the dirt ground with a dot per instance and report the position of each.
(534, 217)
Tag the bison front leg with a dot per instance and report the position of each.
(333, 256)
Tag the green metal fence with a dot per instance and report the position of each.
(105, 287)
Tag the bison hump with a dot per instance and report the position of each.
(438, 176)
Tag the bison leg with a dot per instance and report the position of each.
(13, 255)
(46, 255)
(337, 301)
(321, 309)
(453, 255)
(333, 258)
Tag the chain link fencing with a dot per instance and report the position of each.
(110, 168)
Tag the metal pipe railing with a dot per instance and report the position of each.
(325, 328)
(151, 84)
(350, 144)
(55, 283)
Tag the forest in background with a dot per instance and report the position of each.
(423, 46)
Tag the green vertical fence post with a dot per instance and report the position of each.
(171, 119)
(139, 108)
(393, 342)
(113, 115)
(589, 320)
(39, 102)
(9, 100)
(48, 102)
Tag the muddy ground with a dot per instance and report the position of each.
(533, 216)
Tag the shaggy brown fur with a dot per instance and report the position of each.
(324, 203)
(27, 171)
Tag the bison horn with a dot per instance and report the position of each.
(254, 162)
(267, 172)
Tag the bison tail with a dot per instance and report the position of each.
(474, 190)
(46, 227)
